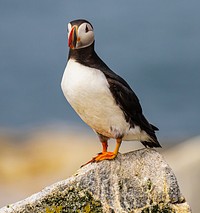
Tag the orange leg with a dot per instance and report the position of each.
(106, 155)
(105, 146)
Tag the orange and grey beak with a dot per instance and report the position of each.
(73, 37)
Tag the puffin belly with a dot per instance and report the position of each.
(87, 91)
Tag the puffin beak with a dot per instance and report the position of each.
(72, 40)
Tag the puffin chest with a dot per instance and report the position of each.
(85, 88)
(87, 91)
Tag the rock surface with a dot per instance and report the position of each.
(140, 182)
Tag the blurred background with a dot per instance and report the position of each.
(154, 45)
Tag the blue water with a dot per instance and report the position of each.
(154, 45)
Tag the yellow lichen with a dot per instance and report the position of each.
(54, 209)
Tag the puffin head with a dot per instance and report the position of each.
(80, 34)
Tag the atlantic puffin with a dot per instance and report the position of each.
(102, 99)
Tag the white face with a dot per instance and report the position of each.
(84, 34)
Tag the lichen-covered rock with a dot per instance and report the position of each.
(138, 182)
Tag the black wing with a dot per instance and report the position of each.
(130, 105)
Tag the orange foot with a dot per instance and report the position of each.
(102, 156)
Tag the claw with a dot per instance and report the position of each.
(102, 156)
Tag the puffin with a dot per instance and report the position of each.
(102, 99)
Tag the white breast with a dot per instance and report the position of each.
(87, 90)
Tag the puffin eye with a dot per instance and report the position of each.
(86, 29)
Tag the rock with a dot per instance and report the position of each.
(187, 169)
(140, 182)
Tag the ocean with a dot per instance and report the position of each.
(153, 45)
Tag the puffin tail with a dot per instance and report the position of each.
(153, 142)
(150, 129)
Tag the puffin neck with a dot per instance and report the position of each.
(82, 53)
(88, 57)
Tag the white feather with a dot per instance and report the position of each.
(87, 90)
